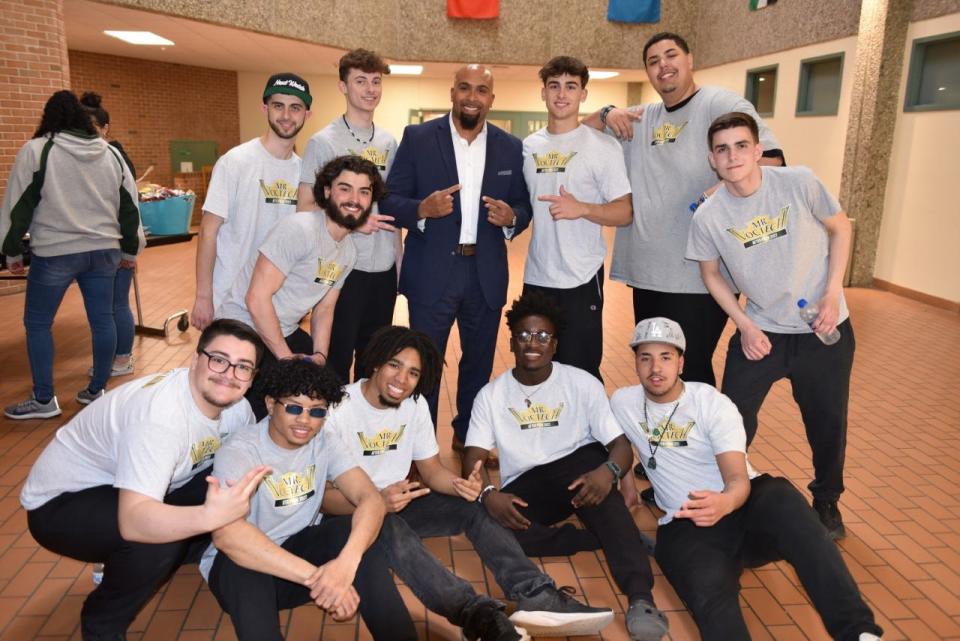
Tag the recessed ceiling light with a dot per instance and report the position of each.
(140, 37)
(603, 75)
(406, 70)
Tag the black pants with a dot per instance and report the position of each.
(83, 525)
(365, 305)
(299, 342)
(580, 342)
(254, 599)
(820, 377)
(544, 488)
(701, 319)
(704, 564)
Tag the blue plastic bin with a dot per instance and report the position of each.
(167, 217)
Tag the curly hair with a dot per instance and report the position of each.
(92, 103)
(364, 60)
(64, 111)
(535, 303)
(294, 376)
(389, 341)
(340, 164)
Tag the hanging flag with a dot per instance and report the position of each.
(760, 4)
(473, 9)
(633, 11)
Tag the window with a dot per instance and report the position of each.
(933, 81)
(762, 89)
(820, 78)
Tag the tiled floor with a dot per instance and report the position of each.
(902, 507)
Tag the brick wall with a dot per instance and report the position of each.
(152, 103)
(33, 64)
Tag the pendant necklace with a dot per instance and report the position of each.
(373, 131)
(652, 461)
(527, 397)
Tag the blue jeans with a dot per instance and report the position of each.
(122, 315)
(444, 515)
(47, 282)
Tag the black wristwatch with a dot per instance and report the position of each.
(603, 114)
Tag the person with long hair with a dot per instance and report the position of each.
(78, 201)
(122, 314)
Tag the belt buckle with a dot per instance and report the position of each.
(467, 249)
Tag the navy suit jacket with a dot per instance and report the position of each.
(424, 163)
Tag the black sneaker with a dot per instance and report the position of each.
(555, 613)
(487, 622)
(829, 515)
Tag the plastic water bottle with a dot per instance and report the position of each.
(97, 573)
(809, 313)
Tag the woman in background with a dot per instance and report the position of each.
(122, 314)
(77, 198)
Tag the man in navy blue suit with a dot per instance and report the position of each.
(457, 186)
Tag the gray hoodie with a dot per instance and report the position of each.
(83, 198)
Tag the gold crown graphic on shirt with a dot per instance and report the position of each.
(673, 435)
(279, 193)
(538, 415)
(552, 162)
(203, 450)
(667, 132)
(381, 442)
(328, 272)
(374, 155)
(762, 229)
(292, 487)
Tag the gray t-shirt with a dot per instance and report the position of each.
(147, 436)
(312, 261)
(375, 252)
(565, 254)
(289, 497)
(668, 169)
(250, 190)
(774, 244)
(706, 423)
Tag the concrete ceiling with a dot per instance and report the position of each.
(209, 45)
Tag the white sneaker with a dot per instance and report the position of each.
(868, 636)
(117, 370)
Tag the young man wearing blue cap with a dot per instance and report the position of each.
(251, 187)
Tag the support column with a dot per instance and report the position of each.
(873, 114)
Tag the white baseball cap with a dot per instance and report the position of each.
(659, 330)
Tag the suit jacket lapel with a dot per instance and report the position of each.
(445, 144)
(489, 164)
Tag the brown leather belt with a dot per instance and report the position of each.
(466, 249)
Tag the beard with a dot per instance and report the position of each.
(387, 402)
(468, 122)
(286, 136)
(348, 221)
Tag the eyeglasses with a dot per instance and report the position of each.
(220, 365)
(296, 410)
(543, 336)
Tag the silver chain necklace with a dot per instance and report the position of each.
(652, 461)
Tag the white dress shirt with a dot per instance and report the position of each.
(471, 159)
